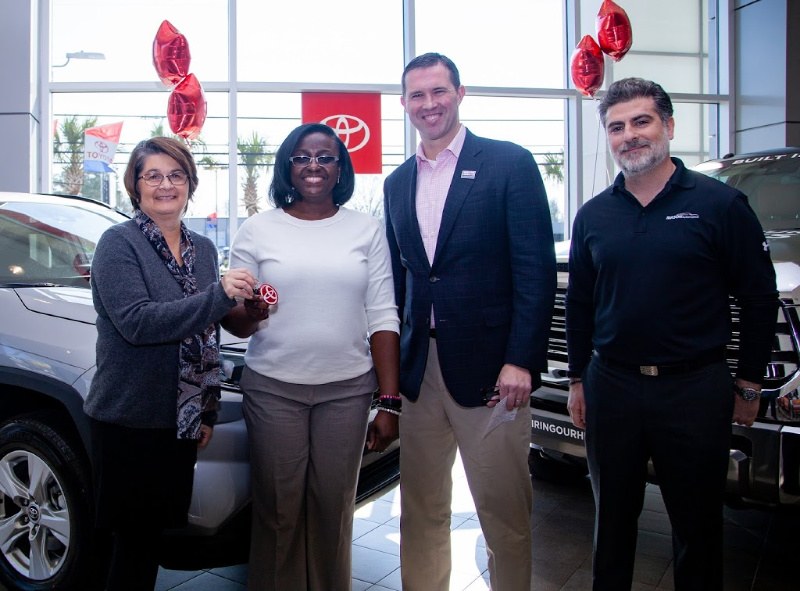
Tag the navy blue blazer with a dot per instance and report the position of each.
(493, 277)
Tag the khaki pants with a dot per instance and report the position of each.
(496, 465)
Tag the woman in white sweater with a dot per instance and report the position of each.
(313, 362)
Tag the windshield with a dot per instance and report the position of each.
(771, 183)
(49, 242)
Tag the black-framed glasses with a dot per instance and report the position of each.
(154, 179)
(301, 161)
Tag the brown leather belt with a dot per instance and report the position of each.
(682, 367)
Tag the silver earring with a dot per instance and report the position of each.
(290, 196)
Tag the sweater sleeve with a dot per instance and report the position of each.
(136, 292)
(242, 253)
(380, 305)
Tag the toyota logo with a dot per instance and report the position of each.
(101, 146)
(33, 512)
(351, 130)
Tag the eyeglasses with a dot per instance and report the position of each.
(156, 178)
(301, 161)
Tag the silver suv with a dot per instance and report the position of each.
(47, 360)
(764, 465)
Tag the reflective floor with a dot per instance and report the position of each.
(762, 548)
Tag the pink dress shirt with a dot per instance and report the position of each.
(433, 183)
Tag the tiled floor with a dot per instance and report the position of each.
(762, 548)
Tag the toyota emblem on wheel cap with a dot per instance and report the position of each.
(33, 512)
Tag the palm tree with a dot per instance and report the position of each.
(253, 154)
(68, 150)
(158, 130)
(553, 171)
(554, 166)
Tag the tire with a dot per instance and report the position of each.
(543, 467)
(45, 507)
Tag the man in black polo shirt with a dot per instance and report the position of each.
(653, 261)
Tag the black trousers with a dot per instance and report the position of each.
(682, 422)
(143, 485)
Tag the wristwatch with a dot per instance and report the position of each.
(747, 394)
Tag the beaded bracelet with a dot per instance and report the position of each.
(391, 403)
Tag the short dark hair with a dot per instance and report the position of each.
(281, 186)
(173, 148)
(628, 89)
(428, 60)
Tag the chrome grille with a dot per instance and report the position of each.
(557, 346)
(784, 361)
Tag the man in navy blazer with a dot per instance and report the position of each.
(471, 239)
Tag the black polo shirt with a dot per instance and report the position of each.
(650, 285)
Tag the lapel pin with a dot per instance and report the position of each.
(467, 174)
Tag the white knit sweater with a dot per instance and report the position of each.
(334, 284)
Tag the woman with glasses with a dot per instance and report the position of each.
(313, 362)
(154, 397)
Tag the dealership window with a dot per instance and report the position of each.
(123, 31)
(503, 43)
(319, 41)
(254, 60)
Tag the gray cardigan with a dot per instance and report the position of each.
(142, 316)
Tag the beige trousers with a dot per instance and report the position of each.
(496, 466)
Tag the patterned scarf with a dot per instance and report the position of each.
(199, 385)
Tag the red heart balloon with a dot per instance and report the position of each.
(614, 33)
(587, 66)
(187, 107)
(171, 56)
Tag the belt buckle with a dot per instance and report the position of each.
(648, 370)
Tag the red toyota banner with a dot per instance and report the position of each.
(356, 118)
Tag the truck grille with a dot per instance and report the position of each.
(557, 345)
(784, 362)
(783, 366)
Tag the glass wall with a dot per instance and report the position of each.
(502, 43)
(255, 59)
(123, 31)
(670, 44)
(319, 41)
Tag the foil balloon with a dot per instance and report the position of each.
(587, 66)
(186, 110)
(171, 56)
(614, 32)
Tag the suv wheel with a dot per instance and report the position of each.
(45, 518)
